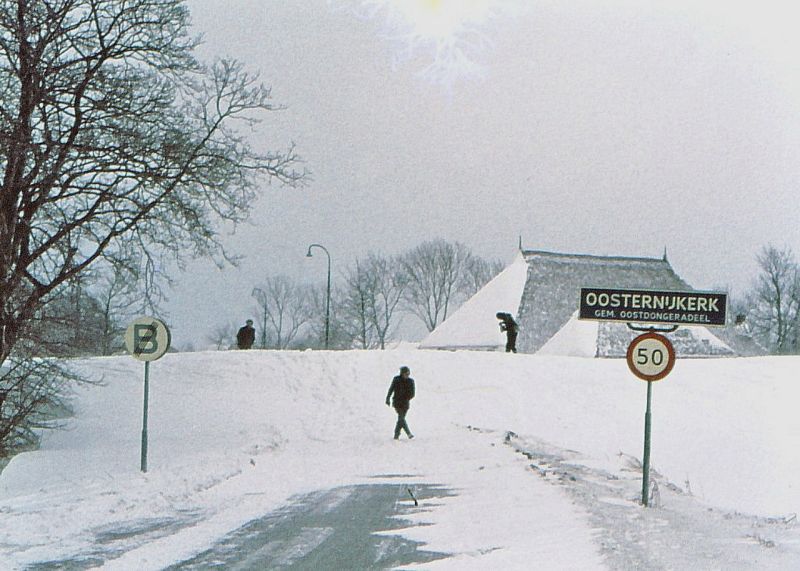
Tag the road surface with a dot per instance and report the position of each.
(333, 529)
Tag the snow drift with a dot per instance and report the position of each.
(235, 434)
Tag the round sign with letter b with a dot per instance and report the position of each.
(651, 356)
(147, 339)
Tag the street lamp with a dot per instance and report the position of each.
(258, 292)
(328, 298)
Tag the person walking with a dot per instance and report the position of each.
(246, 335)
(511, 328)
(403, 390)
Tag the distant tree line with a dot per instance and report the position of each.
(431, 280)
(368, 299)
(87, 315)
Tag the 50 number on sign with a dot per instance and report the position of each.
(651, 357)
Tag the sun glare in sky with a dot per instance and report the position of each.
(441, 19)
(446, 34)
(446, 39)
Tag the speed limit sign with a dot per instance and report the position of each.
(651, 356)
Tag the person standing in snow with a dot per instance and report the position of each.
(403, 390)
(246, 336)
(511, 328)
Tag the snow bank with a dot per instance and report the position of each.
(235, 434)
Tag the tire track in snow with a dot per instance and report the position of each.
(677, 532)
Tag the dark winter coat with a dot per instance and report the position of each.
(403, 390)
(245, 337)
(507, 323)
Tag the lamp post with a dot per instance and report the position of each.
(328, 298)
(258, 292)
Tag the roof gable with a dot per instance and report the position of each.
(552, 290)
(473, 325)
(543, 290)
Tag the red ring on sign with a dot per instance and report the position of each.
(670, 356)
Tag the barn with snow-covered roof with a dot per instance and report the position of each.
(542, 290)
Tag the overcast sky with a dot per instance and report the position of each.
(611, 128)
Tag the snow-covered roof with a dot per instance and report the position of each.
(610, 339)
(474, 325)
(542, 290)
(552, 291)
(576, 339)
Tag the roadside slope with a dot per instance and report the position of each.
(235, 435)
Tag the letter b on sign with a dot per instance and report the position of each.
(144, 339)
(147, 339)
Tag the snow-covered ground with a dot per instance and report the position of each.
(541, 452)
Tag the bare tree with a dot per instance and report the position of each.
(116, 294)
(477, 273)
(285, 305)
(387, 284)
(355, 306)
(115, 142)
(435, 273)
(223, 336)
(31, 398)
(775, 300)
(69, 324)
(338, 338)
(369, 300)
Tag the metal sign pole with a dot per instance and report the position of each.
(650, 357)
(646, 456)
(144, 415)
(147, 339)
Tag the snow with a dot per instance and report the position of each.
(576, 339)
(540, 452)
(580, 338)
(704, 334)
(474, 325)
